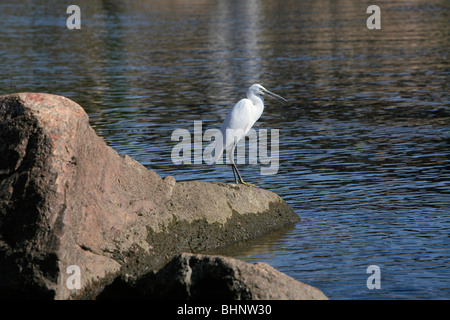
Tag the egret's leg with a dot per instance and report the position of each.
(234, 174)
(238, 174)
(233, 166)
(235, 170)
(240, 178)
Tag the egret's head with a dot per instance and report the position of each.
(258, 89)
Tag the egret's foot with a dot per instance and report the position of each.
(247, 184)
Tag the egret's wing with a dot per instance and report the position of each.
(239, 120)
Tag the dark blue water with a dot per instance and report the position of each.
(364, 144)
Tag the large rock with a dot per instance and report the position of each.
(66, 198)
(192, 277)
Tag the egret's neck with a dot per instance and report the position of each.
(258, 102)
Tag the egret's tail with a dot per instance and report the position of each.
(226, 144)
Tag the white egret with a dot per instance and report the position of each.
(238, 123)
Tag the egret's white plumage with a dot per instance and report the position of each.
(239, 122)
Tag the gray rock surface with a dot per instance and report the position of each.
(66, 198)
(194, 276)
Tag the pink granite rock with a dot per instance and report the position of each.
(66, 198)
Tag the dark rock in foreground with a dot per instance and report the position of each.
(192, 277)
(67, 199)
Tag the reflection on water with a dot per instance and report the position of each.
(364, 146)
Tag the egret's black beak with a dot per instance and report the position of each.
(281, 100)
